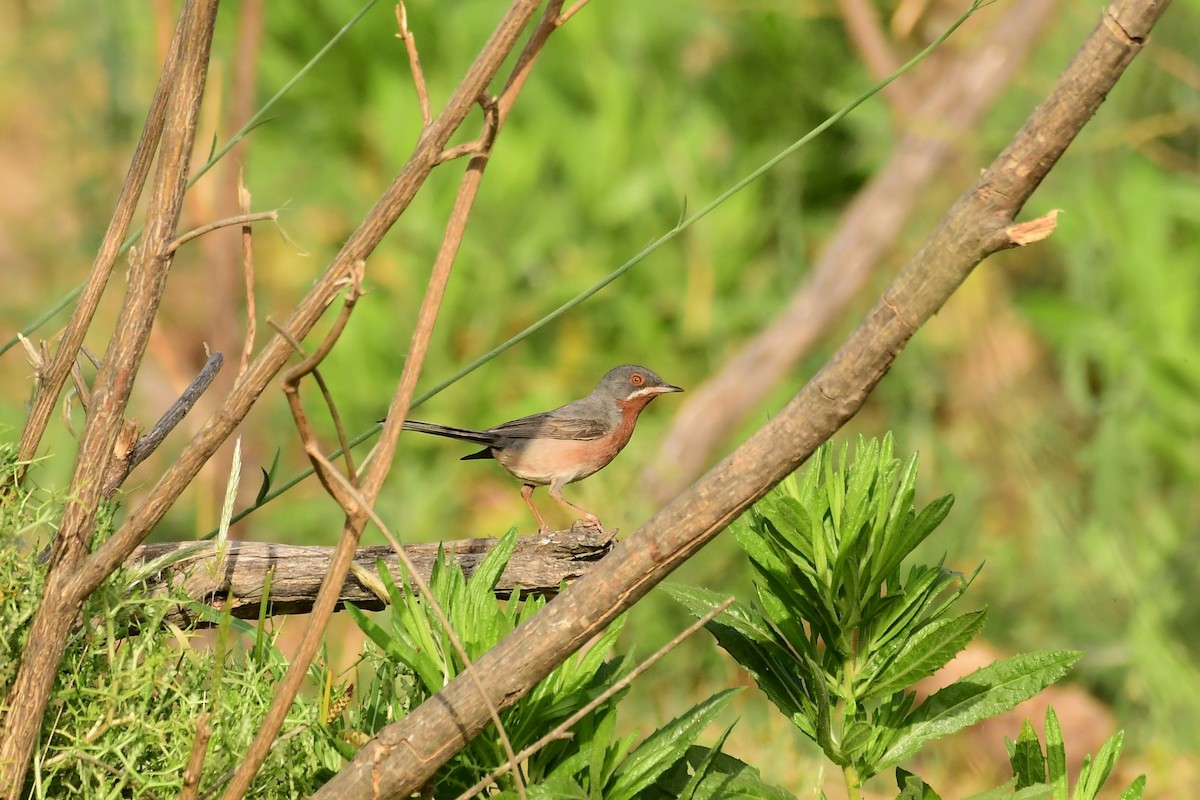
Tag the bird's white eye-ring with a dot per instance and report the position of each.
(637, 379)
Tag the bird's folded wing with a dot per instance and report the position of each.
(550, 425)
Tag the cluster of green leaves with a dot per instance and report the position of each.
(594, 762)
(841, 632)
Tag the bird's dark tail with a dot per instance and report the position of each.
(465, 434)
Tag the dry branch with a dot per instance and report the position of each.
(405, 755)
(539, 565)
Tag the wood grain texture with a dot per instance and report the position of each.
(539, 565)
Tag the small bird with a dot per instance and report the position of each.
(568, 444)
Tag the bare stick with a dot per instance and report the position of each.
(55, 376)
(147, 444)
(570, 12)
(414, 63)
(195, 765)
(975, 227)
(241, 219)
(569, 722)
(248, 275)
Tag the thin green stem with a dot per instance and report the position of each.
(853, 782)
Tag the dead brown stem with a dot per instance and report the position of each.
(323, 292)
(195, 765)
(121, 467)
(414, 63)
(390, 767)
(426, 593)
(248, 276)
(376, 471)
(243, 219)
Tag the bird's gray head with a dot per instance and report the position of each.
(630, 382)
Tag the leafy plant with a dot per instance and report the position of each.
(132, 684)
(841, 632)
(594, 762)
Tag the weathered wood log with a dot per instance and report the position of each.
(539, 565)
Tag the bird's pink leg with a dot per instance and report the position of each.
(527, 493)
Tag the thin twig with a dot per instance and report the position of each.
(619, 686)
(248, 274)
(195, 765)
(414, 63)
(154, 437)
(239, 219)
(533, 48)
(570, 12)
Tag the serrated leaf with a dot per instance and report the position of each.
(984, 693)
(924, 653)
(664, 747)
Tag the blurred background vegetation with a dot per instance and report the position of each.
(1057, 395)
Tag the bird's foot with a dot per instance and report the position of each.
(592, 521)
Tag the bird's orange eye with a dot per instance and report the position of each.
(637, 379)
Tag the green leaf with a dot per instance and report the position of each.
(488, 573)
(1028, 763)
(727, 778)
(1056, 756)
(923, 653)
(1093, 775)
(664, 747)
(984, 693)
(1005, 792)
(268, 478)
(752, 644)
(913, 788)
(1134, 792)
(704, 768)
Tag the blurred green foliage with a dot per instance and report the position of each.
(1055, 396)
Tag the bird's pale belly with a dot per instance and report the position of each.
(546, 461)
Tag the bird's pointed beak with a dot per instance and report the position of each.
(666, 387)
